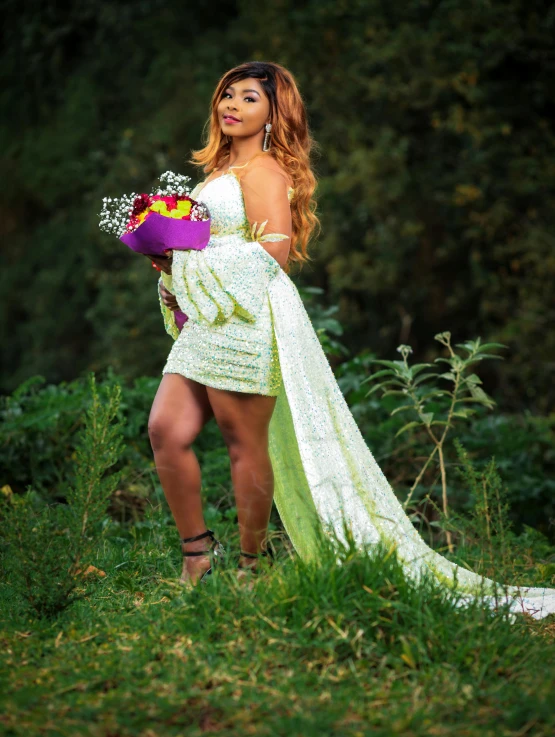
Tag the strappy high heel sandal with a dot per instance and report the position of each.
(216, 550)
(268, 553)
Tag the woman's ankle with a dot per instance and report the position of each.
(247, 562)
(195, 565)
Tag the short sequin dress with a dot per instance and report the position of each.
(237, 351)
(249, 331)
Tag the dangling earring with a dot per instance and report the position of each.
(228, 139)
(266, 144)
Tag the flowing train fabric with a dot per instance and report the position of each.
(325, 473)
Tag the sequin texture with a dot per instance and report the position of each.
(228, 341)
(249, 330)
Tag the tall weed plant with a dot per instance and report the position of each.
(486, 538)
(47, 548)
(433, 408)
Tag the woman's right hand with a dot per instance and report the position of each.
(169, 299)
(163, 262)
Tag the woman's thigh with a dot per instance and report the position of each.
(180, 410)
(243, 418)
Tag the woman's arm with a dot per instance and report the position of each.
(265, 194)
(212, 284)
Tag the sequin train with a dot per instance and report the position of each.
(248, 330)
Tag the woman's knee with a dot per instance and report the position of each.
(165, 432)
(242, 444)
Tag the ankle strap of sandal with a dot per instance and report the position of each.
(208, 533)
(197, 537)
(267, 552)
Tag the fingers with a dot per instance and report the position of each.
(167, 297)
(161, 259)
(171, 302)
(163, 262)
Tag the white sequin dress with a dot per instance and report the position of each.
(248, 330)
(228, 341)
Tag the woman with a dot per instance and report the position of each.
(249, 356)
(229, 368)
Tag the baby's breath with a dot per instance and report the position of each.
(117, 211)
(175, 184)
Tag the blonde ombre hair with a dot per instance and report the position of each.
(291, 144)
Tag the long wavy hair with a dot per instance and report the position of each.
(291, 145)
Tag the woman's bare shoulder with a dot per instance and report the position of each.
(267, 161)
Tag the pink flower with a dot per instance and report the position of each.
(171, 204)
(170, 200)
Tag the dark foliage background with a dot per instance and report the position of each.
(436, 178)
(436, 126)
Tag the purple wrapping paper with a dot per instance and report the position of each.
(180, 319)
(158, 233)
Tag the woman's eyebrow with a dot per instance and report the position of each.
(231, 87)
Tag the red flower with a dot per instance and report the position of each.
(132, 222)
(140, 203)
(169, 200)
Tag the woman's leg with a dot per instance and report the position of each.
(244, 421)
(179, 412)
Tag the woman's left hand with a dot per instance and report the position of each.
(163, 262)
(169, 299)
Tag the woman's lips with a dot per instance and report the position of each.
(230, 119)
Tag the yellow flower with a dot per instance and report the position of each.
(159, 206)
(184, 207)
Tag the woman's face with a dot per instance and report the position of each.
(246, 102)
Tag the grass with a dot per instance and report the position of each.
(312, 649)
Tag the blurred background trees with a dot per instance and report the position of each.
(436, 173)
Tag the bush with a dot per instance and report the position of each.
(48, 546)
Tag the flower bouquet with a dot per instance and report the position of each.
(153, 224)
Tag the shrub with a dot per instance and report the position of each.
(48, 546)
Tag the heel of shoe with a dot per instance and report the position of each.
(215, 552)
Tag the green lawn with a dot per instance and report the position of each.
(328, 649)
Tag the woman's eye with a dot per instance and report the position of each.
(227, 94)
